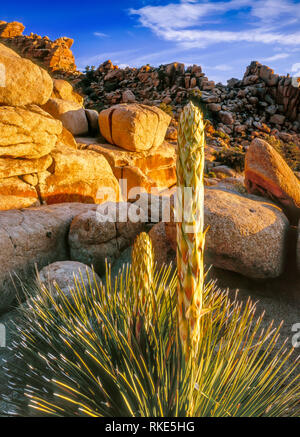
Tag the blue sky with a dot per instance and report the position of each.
(222, 36)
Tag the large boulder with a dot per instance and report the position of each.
(64, 90)
(32, 236)
(63, 273)
(247, 235)
(134, 127)
(78, 176)
(102, 234)
(153, 168)
(71, 114)
(27, 132)
(267, 174)
(25, 83)
(92, 117)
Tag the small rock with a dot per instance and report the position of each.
(62, 273)
(277, 119)
(226, 117)
(128, 97)
(103, 233)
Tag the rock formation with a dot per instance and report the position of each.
(267, 174)
(52, 55)
(39, 162)
(262, 101)
(134, 127)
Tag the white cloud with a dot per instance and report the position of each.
(183, 23)
(101, 35)
(276, 57)
(267, 10)
(220, 67)
(296, 68)
(102, 57)
(123, 66)
(185, 14)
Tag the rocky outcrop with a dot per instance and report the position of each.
(267, 174)
(134, 127)
(279, 88)
(24, 82)
(10, 30)
(102, 234)
(153, 168)
(62, 274)
(53, 55)
(246, 235)
(39, 160)
(263, 103)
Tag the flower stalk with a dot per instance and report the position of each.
(190, 226)
(142, 280)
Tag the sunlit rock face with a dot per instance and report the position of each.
(267, 174)
(24, 82)
(53, 55)
(10, 30)
(134, 127)
(151, 169)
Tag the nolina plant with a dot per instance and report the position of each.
(127, 348)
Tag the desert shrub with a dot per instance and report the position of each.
(223, 135)
(233, 157)
(290, 152)
(167, 109)
(104, 352)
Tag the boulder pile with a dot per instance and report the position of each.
(52, 55)
(261, 102)
(39, 162)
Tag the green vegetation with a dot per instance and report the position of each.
(195, 97)
(87, 356)
(289, 151)
(167, 109)
(233, 157)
